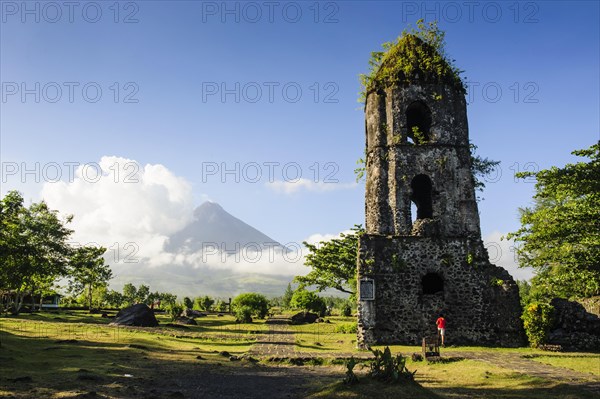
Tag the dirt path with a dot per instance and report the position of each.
(279, 342)
(518, 363)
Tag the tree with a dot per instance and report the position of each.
(49, 247)
(167, 299)
(114, 298)
(347, 308)
(333, 263)
(205, 302)
(243, 314)
(257, 303)
(560, 234)
(142, 294)
(129, 294)
(287, 296)
(524, 292)
(88, 271)
(33, 247)
(480, 167)
(221, 306)
(275, 302)
(153, 298)
(174, 310)
(308, 301)
(187, 303)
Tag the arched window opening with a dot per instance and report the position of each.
(421, 196)
(432, 283)
(418, 122)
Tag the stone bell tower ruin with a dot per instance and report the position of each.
(414, 264)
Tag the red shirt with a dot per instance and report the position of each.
(441, 322)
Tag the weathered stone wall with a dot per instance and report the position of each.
(574, 328)
(591, 305)
(479, 300)
(392, 162)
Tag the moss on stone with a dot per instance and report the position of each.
(415, 56)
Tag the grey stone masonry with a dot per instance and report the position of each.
(421, 262)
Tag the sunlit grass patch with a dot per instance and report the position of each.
(583, 363)
(325, 337)
(458, 379)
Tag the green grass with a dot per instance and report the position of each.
(322, 337)
(583, 363)
(70, 352)
(213, 333)
(459, 379)
(367, 388)
(67, 352)
(452, 350)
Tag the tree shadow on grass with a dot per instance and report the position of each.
(367, 388)
(549, 391)
(321, 348)
(29, 369)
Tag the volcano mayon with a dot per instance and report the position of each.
(212, 227)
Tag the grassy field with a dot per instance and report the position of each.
(212, 332)
(324, 337)
(48, 354)
(577, 362)
(461, 379)
(69, 353)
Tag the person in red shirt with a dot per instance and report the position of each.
(441, 325)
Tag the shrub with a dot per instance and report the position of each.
(537, 320)
(388, 368)
(257, 303)
(347, 328)
(243, 314)
(416, 54)
(220, 306)
(350, 378)
(308, 301)
(175, 311)
(347, 309)
(205, 303)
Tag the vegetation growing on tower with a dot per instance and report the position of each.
(417, 54)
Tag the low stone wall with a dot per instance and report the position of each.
(574, 328)
(591, 305)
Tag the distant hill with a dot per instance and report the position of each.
(211, 226)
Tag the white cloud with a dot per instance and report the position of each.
(292, 187)
(123, 202)
(501, 253)
(271, 261)
(132, 209)
(317, 237)
(266, 261)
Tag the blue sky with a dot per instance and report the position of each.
(534, 96)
